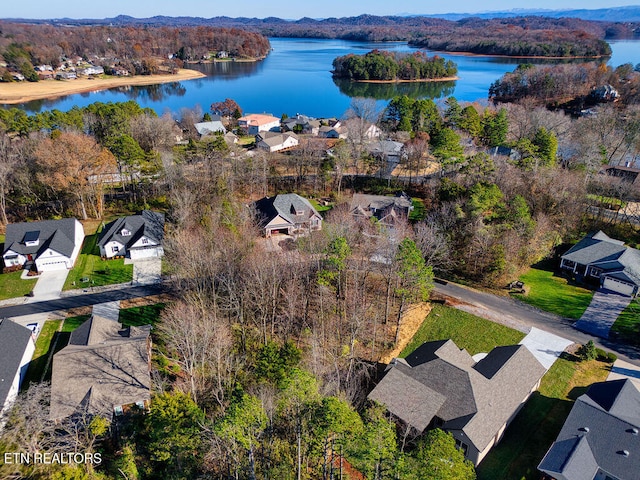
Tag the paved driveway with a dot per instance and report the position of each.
(147, 271)
(108, 310)
(602, 312)
(49, 285)
(545, 346)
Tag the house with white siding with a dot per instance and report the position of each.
(46, 245)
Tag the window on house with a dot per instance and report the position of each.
(595, 272)
(115, 249)
(145, 241)
(117, 410)
(460, 445)
(125, 232)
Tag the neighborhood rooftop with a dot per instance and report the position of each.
(104, 366)
(600, 436)
(438, 382)
(56, 234)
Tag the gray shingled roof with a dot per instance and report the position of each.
(284, 205)
(14, 339)
(609, 254)
(208, 128)
(601, 426)
(56, 234)
(104, 365)
(273, 139)
(149, 224)
(479, 398)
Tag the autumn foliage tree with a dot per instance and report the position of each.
(72, 164)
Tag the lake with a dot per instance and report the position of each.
(295, 78)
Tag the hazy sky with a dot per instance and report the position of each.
(290, 9)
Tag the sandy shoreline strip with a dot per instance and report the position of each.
(21, 92)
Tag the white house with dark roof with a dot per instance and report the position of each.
(48, 244)
(135, 236)
(600, 440)
(16, 349)
(288, 214)
(604, 259)
(439, 385)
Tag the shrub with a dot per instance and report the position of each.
(588, 351)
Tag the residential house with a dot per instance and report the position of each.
(231, 138)
(135, 236)
(209, 128)
(597, 257)
(625, 172)
(66, 75)
(439, 385)
(276, 142)
(386, 209)
(255, 123)
(16, 349)
(333, 131)
(288, 214)
(387, 150)
(301, 124)
(48, 244)
(600, 439)
(104, 370)
(91, 70)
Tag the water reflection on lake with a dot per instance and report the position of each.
(295, 77)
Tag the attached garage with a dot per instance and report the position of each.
(151, 252)
(618, 286)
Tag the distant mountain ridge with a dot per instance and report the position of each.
(612, 14)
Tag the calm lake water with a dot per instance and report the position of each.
(296, 78)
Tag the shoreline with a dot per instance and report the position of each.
(416, 80)
(533, 57)
(14, 93)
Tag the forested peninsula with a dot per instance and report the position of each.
(490, 38)
(38, 52)
(385, 66)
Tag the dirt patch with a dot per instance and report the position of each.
(410, 324)
(144, 301)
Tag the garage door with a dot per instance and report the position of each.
(618, 286)
(49, 266)
(143, 253)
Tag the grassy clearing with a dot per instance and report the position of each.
(418, 211)
(71, 323)
(42, 352)
(136, 316)
(462, 327)
(553, 294)
(627, 326)
(11, 285)
(91, 271)
(537, 425)
(319, 207)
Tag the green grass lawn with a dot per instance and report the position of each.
(320, 208)
(537, 425)
(11, 285)
(136, 316)
(464, 329)
(627, 326)
(94, 271)
(41, 354)
(553, 294)
(418, 211)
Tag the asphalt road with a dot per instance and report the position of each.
(81, 300)
(522, 317)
